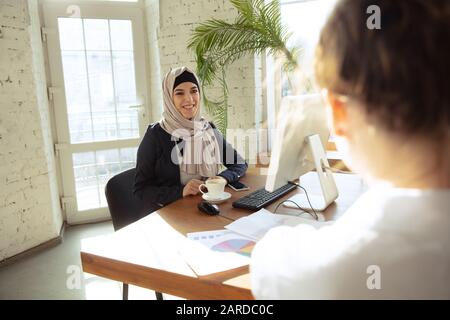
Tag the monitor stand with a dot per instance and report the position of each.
(319, 202)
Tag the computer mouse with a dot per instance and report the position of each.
(208, 208)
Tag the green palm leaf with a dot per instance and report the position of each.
(217, 44)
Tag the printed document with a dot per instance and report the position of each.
(257, 224)
(215, 251)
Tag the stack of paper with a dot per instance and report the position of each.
(257, 224)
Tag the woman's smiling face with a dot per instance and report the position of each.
(185, 98)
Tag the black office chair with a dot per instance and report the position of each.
(125, 208)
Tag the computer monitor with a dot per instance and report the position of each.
(302, 132)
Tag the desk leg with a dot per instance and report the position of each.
(159, 295)
(125, 291)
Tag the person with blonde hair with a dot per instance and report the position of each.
(389, 100)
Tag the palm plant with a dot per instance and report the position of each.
(257, 29)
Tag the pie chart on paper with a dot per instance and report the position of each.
(240, 246)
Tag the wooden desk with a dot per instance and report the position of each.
(145, 253)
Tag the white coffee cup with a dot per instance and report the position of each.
(215, 186)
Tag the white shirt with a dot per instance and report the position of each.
(397, 239)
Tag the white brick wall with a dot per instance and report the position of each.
(154, 70)
(178, 18)
(29, 204)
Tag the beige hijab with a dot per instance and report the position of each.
(201, 154)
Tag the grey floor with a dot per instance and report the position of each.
(55, 273)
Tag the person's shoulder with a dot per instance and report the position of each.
(216, 130)
(154, 127)
(154, 131)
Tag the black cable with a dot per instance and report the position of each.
(278, 205)
(221, 215)
(315, 216)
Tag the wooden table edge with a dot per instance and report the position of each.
(196, 288)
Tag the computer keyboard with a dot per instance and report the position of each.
(260, 198)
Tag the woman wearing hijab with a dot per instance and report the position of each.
(183, 148)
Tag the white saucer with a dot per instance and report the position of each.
(225, 196)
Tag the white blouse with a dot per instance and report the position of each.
(391, 244)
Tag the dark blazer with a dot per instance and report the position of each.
(157, 181)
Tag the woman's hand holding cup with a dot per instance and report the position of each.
(192, 187)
